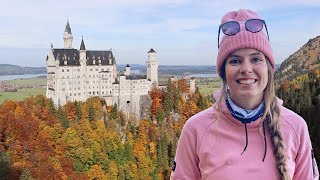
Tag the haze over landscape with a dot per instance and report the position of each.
(183, 32)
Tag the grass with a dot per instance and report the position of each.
(207, 88)
(20, 94)
(30, 81)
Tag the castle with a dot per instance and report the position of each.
(76, 75)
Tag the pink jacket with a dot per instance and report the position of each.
(211, 144)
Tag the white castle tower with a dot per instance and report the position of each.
(152, 67)
(67, 38)
(192, 85)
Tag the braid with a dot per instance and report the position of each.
(271, 115)
(277, 141)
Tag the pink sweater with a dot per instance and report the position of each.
(211, 144)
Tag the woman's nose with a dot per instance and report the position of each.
(246, 67)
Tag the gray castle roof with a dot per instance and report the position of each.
(152, 51)
(116, 81)
(72, 57)
(68, 29)
(131, 77)
(82, 46)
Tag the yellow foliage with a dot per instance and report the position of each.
(96, 173)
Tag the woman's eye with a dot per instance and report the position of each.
(234, 61)
(256, 59)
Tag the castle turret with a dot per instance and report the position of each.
(192, 85)
(67, 38)
(152, 67)
(127, 72)
(82, 53)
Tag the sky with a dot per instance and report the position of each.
(182, 32)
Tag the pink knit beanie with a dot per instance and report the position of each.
(243, 39)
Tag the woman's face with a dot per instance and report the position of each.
(246, 74)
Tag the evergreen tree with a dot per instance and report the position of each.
(91, 113)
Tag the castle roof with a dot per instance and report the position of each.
(127, 65)
(152, 51)
(131, 77)
(116, 81)
(72, 57)
(82, 46)
(68, 29)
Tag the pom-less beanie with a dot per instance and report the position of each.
(243, 39)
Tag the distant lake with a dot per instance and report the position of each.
(22, 76)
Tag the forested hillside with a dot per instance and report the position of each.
(89, 140)
(302, 95)
(307, 58)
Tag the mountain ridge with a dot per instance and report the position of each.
(305, 59)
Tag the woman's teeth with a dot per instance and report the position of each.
(248, 81)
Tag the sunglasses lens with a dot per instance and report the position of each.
(254, 25)
(230, 28)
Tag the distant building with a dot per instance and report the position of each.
(76, 75)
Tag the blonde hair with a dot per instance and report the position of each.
(270, 119)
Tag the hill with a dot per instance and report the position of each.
(8, 69)
(305, 59)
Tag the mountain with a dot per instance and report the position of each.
(305, 59)
(8, 69)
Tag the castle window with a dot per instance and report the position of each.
(90, 69)
(62, 77)
(97, 69)
(62, 70)
(89, 75)
(78, 70)
(102, 92)
(68, 77)
(93, 92)
(75, 94)
(63, 89)
(67, 70)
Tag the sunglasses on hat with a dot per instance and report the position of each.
(231, 28)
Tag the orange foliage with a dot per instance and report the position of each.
(71, 111)
(183, 86)
(285, 85)
(156, 96)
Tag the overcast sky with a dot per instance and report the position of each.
(182, 32)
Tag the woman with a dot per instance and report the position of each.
(247, 134)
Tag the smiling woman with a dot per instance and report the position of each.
(247, 134)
